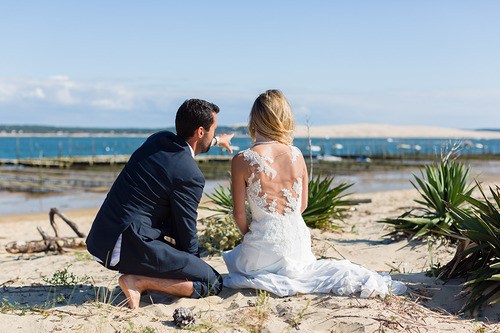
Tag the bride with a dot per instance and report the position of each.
(275, 254)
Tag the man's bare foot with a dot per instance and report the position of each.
(134, 285)
(128, 283)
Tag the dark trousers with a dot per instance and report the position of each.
(141, 255)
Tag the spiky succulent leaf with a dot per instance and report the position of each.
(325, 202)
(480, 226)
(439, 186)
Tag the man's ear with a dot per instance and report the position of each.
(200, 131)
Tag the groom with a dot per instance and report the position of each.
(146, 227)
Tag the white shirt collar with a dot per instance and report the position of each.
(191, 149)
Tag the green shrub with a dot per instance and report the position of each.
(438, 186)
(65, 278)
(223, 200)
(478, 256)
(325, 203)
(220, 234)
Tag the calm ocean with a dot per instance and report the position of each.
(34, 147)
(38, 147)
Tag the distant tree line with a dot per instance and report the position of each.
(40, 129)
(489, 129)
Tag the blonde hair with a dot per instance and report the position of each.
(272, 117)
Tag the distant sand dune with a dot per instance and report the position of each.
(331, 131)
(390, 131)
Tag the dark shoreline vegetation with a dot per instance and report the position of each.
(55, 130)
(39, 178)
(221, 169)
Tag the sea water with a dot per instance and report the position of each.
(364, 182)
(29, 203)
(20, 147)
(12, 148)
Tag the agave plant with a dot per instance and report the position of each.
(438, 185)
(479, 254)
(325, 202)
(222, 198)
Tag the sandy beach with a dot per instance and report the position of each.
(30, 303)
(390, 131)
(359, 130)
(428, 306)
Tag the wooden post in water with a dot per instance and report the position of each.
(308, 124)
(18, 154)
(60, 146)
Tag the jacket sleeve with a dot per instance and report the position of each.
(185, 199)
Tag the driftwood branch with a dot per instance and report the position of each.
(73, 226)
(358, 201)
(42, 232)
(49, 243)
(54, 244)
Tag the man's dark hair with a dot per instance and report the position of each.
(192, 114)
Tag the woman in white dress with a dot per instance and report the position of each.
(275, 254)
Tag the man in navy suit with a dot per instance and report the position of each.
(146, 227)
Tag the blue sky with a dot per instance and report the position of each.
(131, 63)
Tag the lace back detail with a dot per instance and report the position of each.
(290, 198)
(262, 162)
(295, 153)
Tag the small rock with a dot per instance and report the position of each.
(286, 311)
(233, 306)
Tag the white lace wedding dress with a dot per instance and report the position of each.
(275, 254)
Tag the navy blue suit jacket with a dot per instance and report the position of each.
(156, 194)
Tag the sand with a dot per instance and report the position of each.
(429, 305)
(340, 131)
(391, 131)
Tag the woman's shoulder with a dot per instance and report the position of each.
(254, 153)
(241, 154)
(239, 157)
(246, 154)
(296, 153)
(245, 158)
(241, 162)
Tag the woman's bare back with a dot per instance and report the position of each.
(276, 174)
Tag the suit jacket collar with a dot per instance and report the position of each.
(190, 149)
(180, 141)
